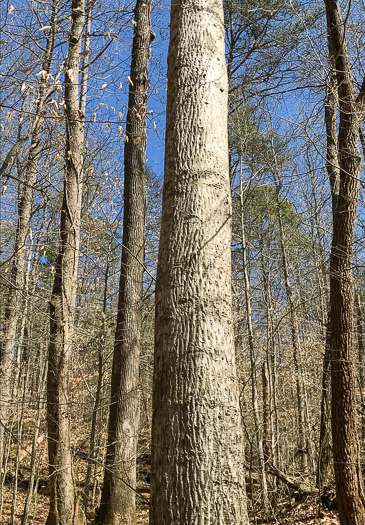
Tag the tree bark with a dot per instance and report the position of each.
(197, 470)
(63, 508)
(361, 357)
(346, 451)
(118, 495)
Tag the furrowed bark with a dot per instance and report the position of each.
(197, 472)
(346, 450)
(118, 495)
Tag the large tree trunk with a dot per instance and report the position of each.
(14, 299)
(118, 496)
(62, 494)
(197, 441)
(346, 452)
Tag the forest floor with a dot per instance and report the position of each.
(305, 513)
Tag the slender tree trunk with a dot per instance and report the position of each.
(254, 394)
(14, 299)
(197, 470)
(32, 476)
(97, 402)
(266, 412)
(325, 449)
(270, 359)
(118, 495)
(302, 444)
(346, 451)
(63, 509)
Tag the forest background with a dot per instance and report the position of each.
(279, 86)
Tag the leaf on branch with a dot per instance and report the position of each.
(109, 125)
(45, 28)
(149, 112)
(120, 85)
(54, 113)
(104, 86)
(99, 106)
(126, 139)
(23, 87)
(54, 102)
(130, 81)
(11, 9)
(120, 130)
(154, 125)
(94, 117)
(42, 73)
(137, 140)
(121, 113)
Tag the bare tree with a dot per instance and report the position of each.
(118, 496)
(63, 508)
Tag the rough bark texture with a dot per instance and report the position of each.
(63, 509)
(118, 496)
(361, 358)
(197, 443)
(14, 300)
(346, 453)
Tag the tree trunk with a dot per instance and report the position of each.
(63, 508)
(254, 393)
(361, 357)
(346, 452)
(118, 495)
(302, 451)
(325, 450)
(197, 441)
(266, 413)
